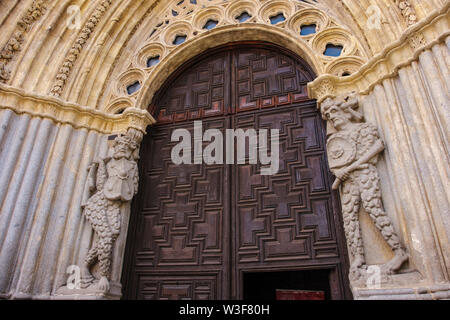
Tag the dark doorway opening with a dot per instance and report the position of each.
(264, 285)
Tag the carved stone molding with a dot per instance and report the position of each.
(77, 116)
(14, 44)
(69, 61)
(353, 151)
(420, 37)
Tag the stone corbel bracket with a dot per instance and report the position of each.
(77, 116)
(419, 37)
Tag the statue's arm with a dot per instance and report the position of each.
(376, 148)
(91, 183)
(92, 177)
(101, 174)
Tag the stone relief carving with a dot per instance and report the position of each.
(417, 40)
(14, 44)
(325, 88)
(408, 11)
(78, 116)
(353, 151)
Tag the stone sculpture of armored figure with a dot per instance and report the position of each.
(353, 151)
(111, 182)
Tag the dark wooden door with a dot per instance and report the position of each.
(197, 229)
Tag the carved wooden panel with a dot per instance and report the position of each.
(183, 222)
(265, 78)
(179, 287)
(285, 219)
(200, 91)
(232, 81)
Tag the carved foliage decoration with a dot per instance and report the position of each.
(325, 89)
(407, 10)
(74, 52)
(14, 45)
(417, 40)
(22, 102)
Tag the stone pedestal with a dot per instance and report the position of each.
(91, 293)
(409, 291)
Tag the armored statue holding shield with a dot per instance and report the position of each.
(353, 151)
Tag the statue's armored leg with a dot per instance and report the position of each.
(371, 200)
(350, 211)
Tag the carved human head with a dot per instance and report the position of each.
(123, 147)
(341, 110)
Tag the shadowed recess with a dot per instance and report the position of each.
(179, 40)
(277, 18)
(333, 50)
(210, 24)
(132, 88)
(244, 16)
(153, 61)
(306, 30)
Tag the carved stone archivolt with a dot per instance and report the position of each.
(423, 36)
(14, 45)
(353, 149)
(188, 21)
(74, 52)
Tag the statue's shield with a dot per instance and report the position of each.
(341, 152)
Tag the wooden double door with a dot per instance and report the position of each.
(197, 230)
